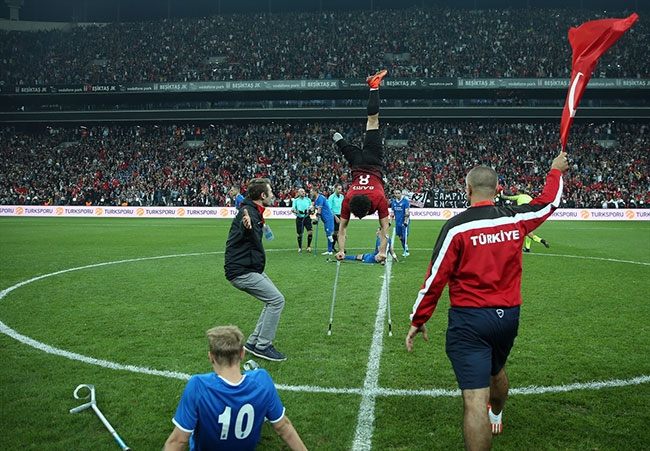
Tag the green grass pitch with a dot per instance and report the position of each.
(139, 294)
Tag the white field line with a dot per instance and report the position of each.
(370, 389)
(366, 418)
(612, 260)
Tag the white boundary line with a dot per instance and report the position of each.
(370, 390)
(366, 418)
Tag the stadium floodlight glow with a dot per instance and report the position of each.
(93, 404)
(336, 281)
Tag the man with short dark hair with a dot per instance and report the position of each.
(301, 207)
(210, 411)
(236, 196)
(478, 255)
(245, 260)
(366, 193)
(401, 208)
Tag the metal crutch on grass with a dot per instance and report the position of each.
(93, 404)
(390, 321)
(336, 281)
(406, 238)
(316, 240)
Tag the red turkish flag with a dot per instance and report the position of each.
(589, 41)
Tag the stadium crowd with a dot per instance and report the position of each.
(189, 166)
(415, 42)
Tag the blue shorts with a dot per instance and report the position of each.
(369, 258)
(479, 341)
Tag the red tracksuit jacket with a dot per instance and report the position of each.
(478, 253)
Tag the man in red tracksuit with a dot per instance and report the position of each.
(478, 253)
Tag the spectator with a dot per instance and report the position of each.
(417, 43)
(150, 166)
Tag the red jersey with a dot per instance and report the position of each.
(368, 181)
(478, 253)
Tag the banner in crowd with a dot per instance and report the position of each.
(563, 214)
(322, 85)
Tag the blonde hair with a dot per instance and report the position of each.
(226, 344)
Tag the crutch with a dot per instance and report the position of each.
(336, 281)
(390, 321)
(316, 240)
(93, 404)
(406, 236)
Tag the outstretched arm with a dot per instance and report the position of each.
(343, 232)
(383, 237)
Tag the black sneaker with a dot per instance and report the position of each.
(270, 353)
(526, 249)
(249, 348)
(543, 241)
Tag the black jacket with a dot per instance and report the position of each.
(244, 249)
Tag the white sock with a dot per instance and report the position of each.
(495, 418)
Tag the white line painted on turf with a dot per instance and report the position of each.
(370, 390)
(366, 418)
(603, 259)
(82, 358)
(385, 392)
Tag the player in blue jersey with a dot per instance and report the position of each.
(370, 257)
(237, 197)
(302, 207)
(401, 208)
(225, 409)
(336, 201)
(324, 213)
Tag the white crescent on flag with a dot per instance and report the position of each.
(572, 104)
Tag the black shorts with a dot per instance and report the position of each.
(479, 341)
(372, 154)
(336, 223)
(302, 224)
(373, 149)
